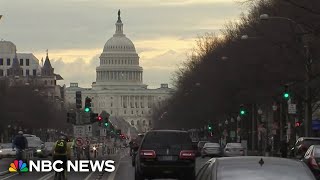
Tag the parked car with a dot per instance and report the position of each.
(6, 151)
(200, 145)
(211, 149)
(312, 159)
(234, 149)
(301, 146)
(165, 154)
(254, 168)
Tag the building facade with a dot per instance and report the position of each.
(119, 87)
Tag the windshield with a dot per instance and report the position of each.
(212, 145)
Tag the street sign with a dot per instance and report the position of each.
(292, 108)
(86, 142)
(79, 141)
(89, 130)
(79, 131)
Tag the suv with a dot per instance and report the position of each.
(165, 154)
(302, 145)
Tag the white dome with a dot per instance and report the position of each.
(7, 47)
(119, 43)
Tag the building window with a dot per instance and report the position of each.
(1, 61)
(27, 72)
(111, 104)
(34, 72)
(125, 112)
(21, 62)
(141, 112)
(1, 72)
(110, 112)
(27, 62)
(8, 62)
(132, 122)
(45, 82)
(132, 112)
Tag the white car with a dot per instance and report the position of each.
(211, 149)
(234, 149)
(6, 151)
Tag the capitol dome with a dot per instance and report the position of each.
(119, 43)
(7, 47)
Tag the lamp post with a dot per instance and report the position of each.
(308, 68)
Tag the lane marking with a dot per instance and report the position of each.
(48, 176)
(9, 176)
(113, 174)
(3, 173)
(88, 177)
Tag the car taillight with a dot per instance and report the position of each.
(313, 163)
(148, 154)
(187, 154)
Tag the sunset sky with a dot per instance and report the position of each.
(75, 31)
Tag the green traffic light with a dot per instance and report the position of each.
(86, 109)
(209, 127)
(242, 112)
(106, 124)
(286, 95)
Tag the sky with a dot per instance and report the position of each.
(75, 31)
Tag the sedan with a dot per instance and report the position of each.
(211, 149)
(6, 151)
(254, 168)
(234, 149)
(312, 159)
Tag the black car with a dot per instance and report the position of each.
(254, 168)
(166, 154)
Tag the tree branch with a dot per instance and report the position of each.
(303, 7)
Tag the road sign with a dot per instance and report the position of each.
(86, 142)
(89, 130)
(79, 131)
(79, 141)
(292, 108)
(103, 132)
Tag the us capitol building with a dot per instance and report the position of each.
(119, 87)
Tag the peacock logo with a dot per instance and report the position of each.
(18, 166)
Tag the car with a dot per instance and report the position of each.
(211, 149)
(48, 146)
(6, 151)
(165, 154)
(301, 146)
(234, 149)
(200, 145)
(312, 159)
(36, 145)
(254, 168)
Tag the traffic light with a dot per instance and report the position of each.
(87, 106)
(78, 100)
(242, 110)
(209, 127)
(298, 124)
(286, 94)
(99, 118)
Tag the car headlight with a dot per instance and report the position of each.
(39, 150)
(0, 151)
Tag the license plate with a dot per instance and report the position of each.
(166, 158)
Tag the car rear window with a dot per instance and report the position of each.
(309, 142)
(167, 138)
(212, 145)
(234, 145)
(265, 172)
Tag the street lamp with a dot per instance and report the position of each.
(238, 118)
(309, 75)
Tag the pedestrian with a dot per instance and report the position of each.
(20, 143)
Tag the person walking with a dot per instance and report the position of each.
(20, 143)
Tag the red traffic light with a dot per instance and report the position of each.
(298, 124)
(99, 118)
